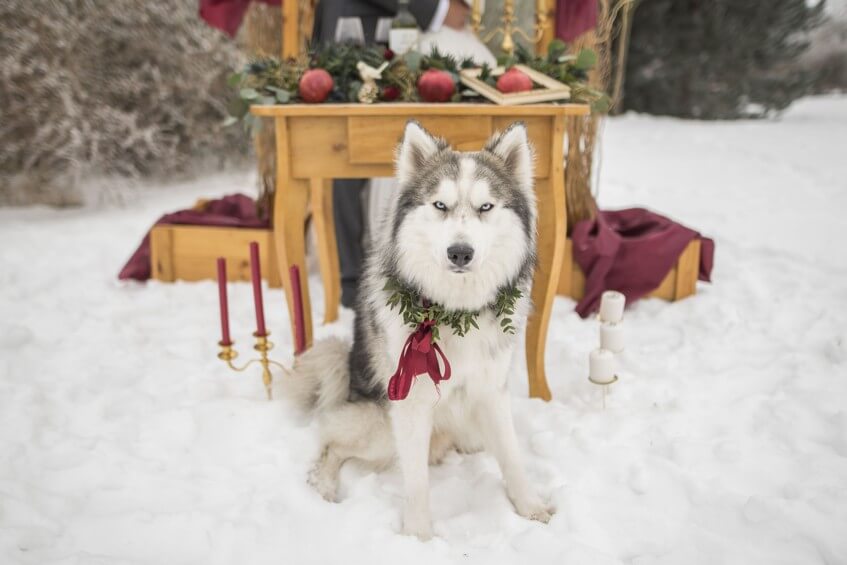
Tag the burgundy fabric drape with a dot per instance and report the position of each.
(235, 210)
(227, 15)
(631, 251)
(575, 17)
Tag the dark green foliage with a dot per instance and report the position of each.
(340, 60)
(717, 59)
(415, 312)
(444, 62)
(504, 307)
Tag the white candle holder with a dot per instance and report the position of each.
(605, 386)
(601, 364)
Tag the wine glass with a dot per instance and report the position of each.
(383, 28)
(349, 30)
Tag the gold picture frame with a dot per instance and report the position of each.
(551, 89)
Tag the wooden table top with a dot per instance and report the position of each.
(418, 109)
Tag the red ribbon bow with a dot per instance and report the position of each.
(419, 356)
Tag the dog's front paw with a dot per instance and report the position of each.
(418, 526)
(324, 483)
(534, 509)
(422, 533)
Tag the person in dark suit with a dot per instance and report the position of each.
(347, 193)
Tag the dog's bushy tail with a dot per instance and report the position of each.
(320, 377)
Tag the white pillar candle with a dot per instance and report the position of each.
(601, 366)
(611, 337)
(611, 306)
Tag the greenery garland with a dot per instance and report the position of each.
(415, 310)
(271, 81)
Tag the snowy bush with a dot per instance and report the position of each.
(119, 88)
(827, 54)
(718, 59)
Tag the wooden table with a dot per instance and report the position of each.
(321, 142)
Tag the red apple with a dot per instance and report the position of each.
(436, 86)
(513, 81)
(315, 86)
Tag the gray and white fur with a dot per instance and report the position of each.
(462, 226)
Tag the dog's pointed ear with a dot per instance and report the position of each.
(415, 148)
(512, 146)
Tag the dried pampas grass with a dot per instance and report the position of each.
(610, 41)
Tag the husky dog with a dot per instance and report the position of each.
(461, 228)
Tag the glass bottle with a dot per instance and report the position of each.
(404, 29)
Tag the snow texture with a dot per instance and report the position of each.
(123, 439)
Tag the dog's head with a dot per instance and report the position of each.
(464, 223)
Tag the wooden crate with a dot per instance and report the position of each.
(679, 283)
(188, 253)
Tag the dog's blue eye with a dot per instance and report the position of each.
(486, 207)
(440, 205)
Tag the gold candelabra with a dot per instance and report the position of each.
(227, 354)
(509, 29)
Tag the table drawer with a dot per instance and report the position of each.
(368, 136)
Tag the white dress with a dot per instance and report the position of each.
(460, 44)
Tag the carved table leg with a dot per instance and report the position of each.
(322, 215)
(290, 210)
(552, 224)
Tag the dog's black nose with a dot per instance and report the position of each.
(460, 254)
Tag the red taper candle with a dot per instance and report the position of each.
(299, 327)
(224, 303)
(256, 271)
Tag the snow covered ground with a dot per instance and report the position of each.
(124, 440)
